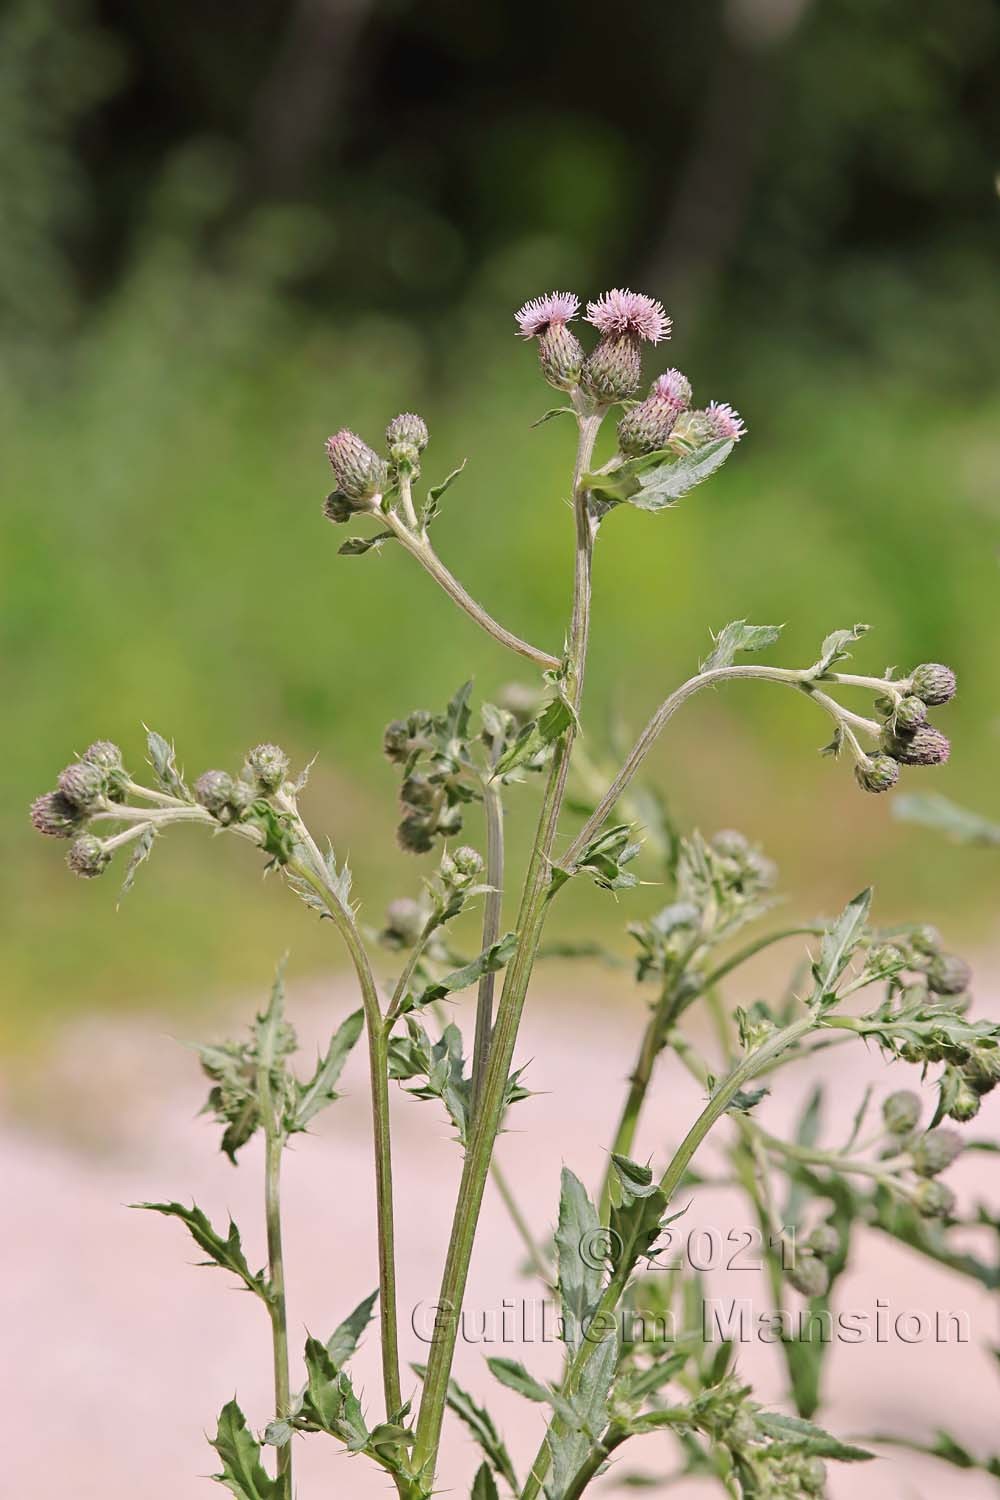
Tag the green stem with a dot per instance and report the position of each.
(594, 1462)
(314, 871)
(531, 919)
(274, 1142)
(492, 914)
(716, 1107)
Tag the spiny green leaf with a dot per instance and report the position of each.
(840, 941)
(554, 411)
(227, 1253)
(834, 649)
(320, 1089)
(431, 507)
(163, 761)
(513, 1375)
(345, 1337)
(484, 1485)
(739, 636)
(552, 722)
(482, 1427)
(637, 1208)
(356, 546)
(579, 1266)
(490, 961)
(588, 1417)
(242, 1471)
(141, 850)
(806, 1437)
(657, 480)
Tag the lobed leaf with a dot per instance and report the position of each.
(739, 636)
(163, 761)
(320, 1090)
(242, 1471)
(227, 1253)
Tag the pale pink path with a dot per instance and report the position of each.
(118, 1353)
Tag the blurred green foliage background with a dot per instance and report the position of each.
(229, 232)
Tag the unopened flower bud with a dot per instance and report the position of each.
(269, 764)
(613, 370)
(214, 790)
(359, 471)
(408, 429)
(418, 792)
(403, 737)
(103, 753)
(692, 430)
(982, 1071)
(242, 797)
(808, 1276)
(901, 1112)
(87, 856)
(935, 1151)
(935, 1200)
(925, 939)
(56, 816)
(824, 1241)
(947, 974)
(926, 746)
(647, 426)
(405, 920)
(965, 1102)
(812, 1475)
(910, 712)
(933, 682)
(877, 772)
(82, 783)
(462, 867)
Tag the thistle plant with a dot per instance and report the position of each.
(457, 770)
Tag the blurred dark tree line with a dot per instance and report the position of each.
(792, 161)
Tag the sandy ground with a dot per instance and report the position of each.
(119, 1352)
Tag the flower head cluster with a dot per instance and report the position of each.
(433, 753)
(665, 420)
(93, 784)
(612, 371)
(363, 477)
(907, 739)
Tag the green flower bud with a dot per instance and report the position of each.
(82, 783)
(901, 1112)
(876, 773)
(926, 746)
(948, 975)
(104, 754)
(925, 938)
(213, 790)
(935, 1200)
(405, 920)
(359, 471)
(808, 1276)
(87, 856)
(935, 1151)
(269, 764)
(613, 370)
(812, 1475)
(824, 1241)
(242, 797)
(468, 861)
(982, 1071)
(56, 816)
(693, 429)
(965, 1102)
(560, 355)
(932, 682)
(909, 714)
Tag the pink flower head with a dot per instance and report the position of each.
(541, 312)
(673, 389)
(624, 312)
(725, 423)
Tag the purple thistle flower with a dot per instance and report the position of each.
(726, 423)
(631, 313)
(541, 313)
(672, 388)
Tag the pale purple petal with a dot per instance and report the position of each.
(673, 388)
(537, 315)
(725, 422)
(624, 312)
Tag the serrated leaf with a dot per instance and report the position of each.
(490, 961)
(242, 1471)
(657, 480)
(431, 508)
(578, 1267)
(739, 636)
(345, 1337)
(357, 546)
(320, 1089)
(141, 850)
(322, 1401)
(834, 649)
(637, 1207)
(840, 941)
(806, 1437)
(163, 761)
(571, 1445)
(553, 721)
(484, 1485)
(226, 1253)
(479, 1422)
(516, 1378)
